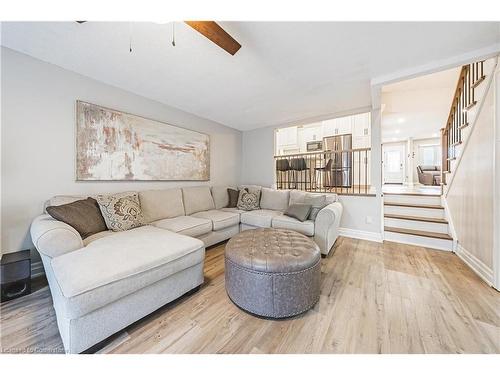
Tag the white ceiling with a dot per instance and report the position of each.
(419, 107)
(284, 72)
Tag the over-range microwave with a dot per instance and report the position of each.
(314, 146)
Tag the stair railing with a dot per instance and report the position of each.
(470, 77)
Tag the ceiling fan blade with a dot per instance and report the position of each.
(80, 21)
(216, 34)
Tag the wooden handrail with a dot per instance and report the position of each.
(322, 152)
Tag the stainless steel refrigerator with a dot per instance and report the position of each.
(341, 155)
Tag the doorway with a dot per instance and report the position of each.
(393, 164)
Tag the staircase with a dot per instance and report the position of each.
(420, 218)
(416, 219)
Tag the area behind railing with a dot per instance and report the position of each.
(341, 172)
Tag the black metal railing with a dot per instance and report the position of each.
(341, 172)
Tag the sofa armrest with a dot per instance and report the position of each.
(52, 237)
(326, 228)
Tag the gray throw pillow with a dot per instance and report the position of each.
(83, 215)
(317, 204)
(299, 211)
(121, 211)
(233, 197)
(248, 201)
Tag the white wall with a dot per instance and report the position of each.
(38, 140)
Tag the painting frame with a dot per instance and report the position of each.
(79, 168)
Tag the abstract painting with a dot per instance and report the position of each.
(113, 145)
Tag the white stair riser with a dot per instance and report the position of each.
(415, 211)
(414, 224)
(432, 243)
(413, 199)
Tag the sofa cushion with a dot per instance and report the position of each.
(234, 210)
(428, 168)
(287, 222)
(273, 199)
(117, 265)
(121, 211)
(83, 215)
(187, 225)
(259, 218)
(297, 196)
(250, 188)
(197, 198)
(220, 219)
(221, 196)
(161, 204)
(96, 236)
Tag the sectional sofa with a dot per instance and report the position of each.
(104, 283)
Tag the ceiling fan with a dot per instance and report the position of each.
(214, 33)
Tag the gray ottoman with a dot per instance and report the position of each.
(273, 272)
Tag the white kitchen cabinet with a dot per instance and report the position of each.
(337, 126)
(361, 125)
(286, 136)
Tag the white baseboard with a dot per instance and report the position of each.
(37, 269)
(360, 234)
(481, 269)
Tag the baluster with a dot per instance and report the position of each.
(366, 171)
(360, 173)
(468, 88)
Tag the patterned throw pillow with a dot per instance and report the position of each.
(121, 211)
(248, 201)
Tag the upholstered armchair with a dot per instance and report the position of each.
(429, 174)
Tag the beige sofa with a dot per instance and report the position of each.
(104, 283)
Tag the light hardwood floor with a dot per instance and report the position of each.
(375, 298)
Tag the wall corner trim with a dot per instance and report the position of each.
(479, 268)
(361, 234)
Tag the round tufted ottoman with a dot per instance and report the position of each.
(273, 272)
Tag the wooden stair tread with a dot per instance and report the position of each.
(415, 194)
(421, 233)
(478, 82)
(470, 105)
(433, 206)
(416, 218)
(463, 125)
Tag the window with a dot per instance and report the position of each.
(430, 155)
